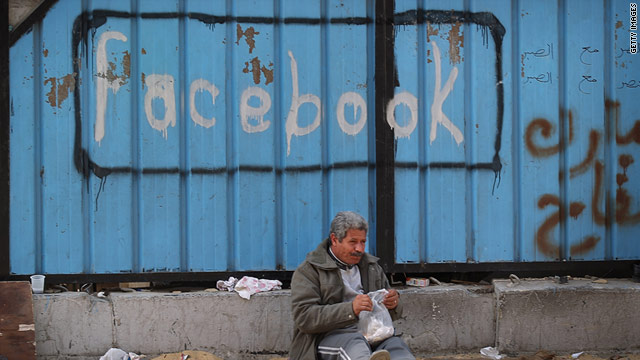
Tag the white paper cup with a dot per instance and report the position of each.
(37, 284)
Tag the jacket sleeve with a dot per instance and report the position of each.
(397, 312)
(310, 315)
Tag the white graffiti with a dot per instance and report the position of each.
(253, 118)
(439, 96)
(102, 81)
(161, 87)
(291, 126)
(202, 85)
(411, 102)
(254, 113)
(358, 103)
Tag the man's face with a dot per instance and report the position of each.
(351, 249)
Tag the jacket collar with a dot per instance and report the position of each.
(341, 264)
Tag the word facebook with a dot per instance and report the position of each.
(252, 118)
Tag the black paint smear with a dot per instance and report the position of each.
(486, 20)
(103, 180)
(90, 21)
(444, 165)
(102, 172)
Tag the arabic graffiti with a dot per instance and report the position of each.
(587, 79)
(543, 236)
(540, 52)
(622, 52)
(616, 210)
(613, 110)
(622, 199)
(544, 77)
(587, 49)
(546, 129)
(631, 84)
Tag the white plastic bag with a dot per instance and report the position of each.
(491, 353)
(118, 354)
(376, 325)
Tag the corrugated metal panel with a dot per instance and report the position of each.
(526, 130)
(187, 135)
(153, 136)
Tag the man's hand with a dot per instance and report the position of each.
(362, 303)
(391, 299)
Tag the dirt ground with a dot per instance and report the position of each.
(544, 355)
(541, 355)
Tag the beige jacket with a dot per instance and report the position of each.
(316, 299)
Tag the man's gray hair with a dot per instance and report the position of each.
(345, 220)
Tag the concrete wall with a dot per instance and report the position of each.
(444, 319)
(575, 316)
(82, 325)
(529, 316)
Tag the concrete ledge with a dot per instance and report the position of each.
(221, 323)
(580, 315)
(530, 316)
(78, 325)
(446, 319)
(72, 324)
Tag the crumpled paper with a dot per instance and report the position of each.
(247, 285)
(227, 285)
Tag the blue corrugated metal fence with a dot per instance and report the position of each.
(191, 136)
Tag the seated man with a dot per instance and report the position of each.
(328, 292)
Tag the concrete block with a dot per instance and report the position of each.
(518, 318)
(220, 322)
(72, 323)
(577, 316)
(445, 319)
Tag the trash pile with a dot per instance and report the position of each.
(118, 354)
(247, 286)
(492, 353)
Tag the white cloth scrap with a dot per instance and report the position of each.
(227, 285)
(248, 286)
